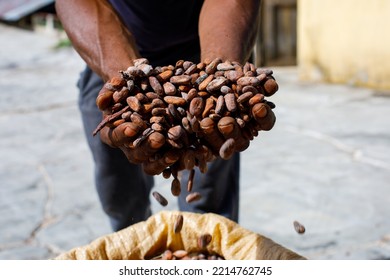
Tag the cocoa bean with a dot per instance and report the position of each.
(215, 117)
(104, 98)
(191, 69)
(146, 68)
(227, 149)
(169, 88)
(186, 124)
(248, 81)
(259, 111)
(155, 140)
(126, 116)
(130, 85)
(133, 72)
(173, 112)
(244, 97)
(266, 123)
(180, 254)
(224, 66)
(226, 89)
(228, 127)
(268, 72)
(211, 133)
(203, 85)
(196, 106)
(270, 87)
(167, 173)
(204, 240)
(160, 199)
(118, 122)
(142, 98)
(159, 111)
(157, 102)
(299, 228)
(195, 196)
(212, 66)
(165, 76)
(208, 107)
(158, 127)
(131, 130)
(262, 77)
(134, 103)
(195, 125)
(230, 102)
(175, 187)
(189, 159)
(190, 182)
(158, 119)
(179, 63)
(116, 107)
(140, 61)
(192, 93)
(180, 80)
(178, 225)
(119, 96)
(156, 86)
(257, 98)
(176, 133)
(216, 84)
(137, 142)
(249, 88)
(152, 96)
(203, 94)
(200, 79)
(175, 100)
(167, 255)
(194, 77)
(137, 119)
(270, 104)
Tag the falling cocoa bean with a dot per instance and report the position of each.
(204, 240)
(299, 228)
(190, 182)
(175, 187)
(195, 196)
(178, 225)
(160, 199)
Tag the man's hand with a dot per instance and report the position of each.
(140, 149)
(228, 28)
(98, 35)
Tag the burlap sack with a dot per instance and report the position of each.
(148, 239)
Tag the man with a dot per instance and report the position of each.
(108, 35)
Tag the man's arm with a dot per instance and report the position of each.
(227, 29)
(98, 35)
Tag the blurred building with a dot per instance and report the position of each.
(37, 15)
(337, 41)
(333, 41)
(345, 42)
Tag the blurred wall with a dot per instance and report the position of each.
(345, 41)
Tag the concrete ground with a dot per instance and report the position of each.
(326, 163)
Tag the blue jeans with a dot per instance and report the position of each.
(124, 189)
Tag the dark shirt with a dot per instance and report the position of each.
(162, 27)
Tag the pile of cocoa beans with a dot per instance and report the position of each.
(184, 255)
(185, 115)
(200, 253)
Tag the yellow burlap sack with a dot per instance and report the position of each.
(148, 239)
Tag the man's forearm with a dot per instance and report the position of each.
(98, 35)
(228, 28)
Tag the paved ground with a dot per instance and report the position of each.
(326, 163)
